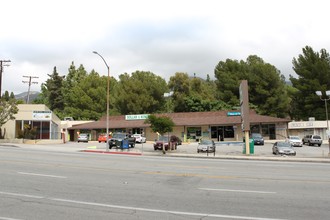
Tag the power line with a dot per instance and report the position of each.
(2, 64)
(30, 82)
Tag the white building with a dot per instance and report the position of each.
(302, 128)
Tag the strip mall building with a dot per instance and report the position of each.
(219, 126)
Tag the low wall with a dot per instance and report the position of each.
(14, 141)
(28, 141)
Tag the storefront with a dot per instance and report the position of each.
(33, 121)
(192, 126)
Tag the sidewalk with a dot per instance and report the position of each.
(224, 151)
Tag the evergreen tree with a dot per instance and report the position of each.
(267, 89)
(142, 92)
(313, 70)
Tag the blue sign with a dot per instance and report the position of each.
(233, 113)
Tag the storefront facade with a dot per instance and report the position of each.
(192, 126)
(302, 128)
(33, 121)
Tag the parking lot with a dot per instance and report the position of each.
(222, 149)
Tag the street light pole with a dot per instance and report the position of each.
(319, 94)
(108, 99)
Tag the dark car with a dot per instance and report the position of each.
(118, 138)
(258, 139)
(176, 139)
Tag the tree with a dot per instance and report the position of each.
(51, 93)
(161, 124)
(142, 92)
(313, 70)
(179, 84)
(267, 88)
(8, 108)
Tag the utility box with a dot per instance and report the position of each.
(251, 145)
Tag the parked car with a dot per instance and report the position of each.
(83, 137)
(283, 148)
(165, 140)
(102, 138)
(206, 146)
(139, 138)
(295, 141)
(118, 138)
(176, 139)
(257, 139)
(312, 139)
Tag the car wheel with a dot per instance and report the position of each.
(276, 152)
(319, 145)
(197, 151)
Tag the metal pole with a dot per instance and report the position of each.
(1, 70)
(326, 115)
(108, 100)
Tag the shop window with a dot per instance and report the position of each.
(194, 132)
(229, 132)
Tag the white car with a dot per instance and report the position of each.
(206, 146)
(295, 141)
(139, 138)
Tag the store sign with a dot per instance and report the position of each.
(42, 115)
(136, 117)
(233, 113)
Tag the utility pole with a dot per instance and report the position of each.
(2, 64)
(30, 82)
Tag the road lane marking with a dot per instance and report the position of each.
(140, 209)
(240, 191)
(22, 195)
(188, 175)
(4, 218)
(43, 175)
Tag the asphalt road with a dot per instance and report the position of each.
(43, 184)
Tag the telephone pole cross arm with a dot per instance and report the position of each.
(2, 64)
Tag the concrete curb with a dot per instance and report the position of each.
(112, 152)
(226, 157)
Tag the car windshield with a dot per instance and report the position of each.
(119, 136)
(83, 135)
(163, 138)
(256, 135)
(317, 137)
(206, 142)
(294, 137)
(283, 144)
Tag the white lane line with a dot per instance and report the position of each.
(4, 218)
(240, 191)
(22, 195)
(44, 175)
(141, 209)
(162, 211)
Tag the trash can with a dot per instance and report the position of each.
(125, 144)
(251, 145)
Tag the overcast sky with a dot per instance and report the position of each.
(161, 36)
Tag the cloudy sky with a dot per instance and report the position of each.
(161, 36)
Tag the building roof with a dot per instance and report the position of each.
(182, 119)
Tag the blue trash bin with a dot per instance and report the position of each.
(125, 144)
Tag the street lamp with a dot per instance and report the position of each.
(319, 94)
(108, 85)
